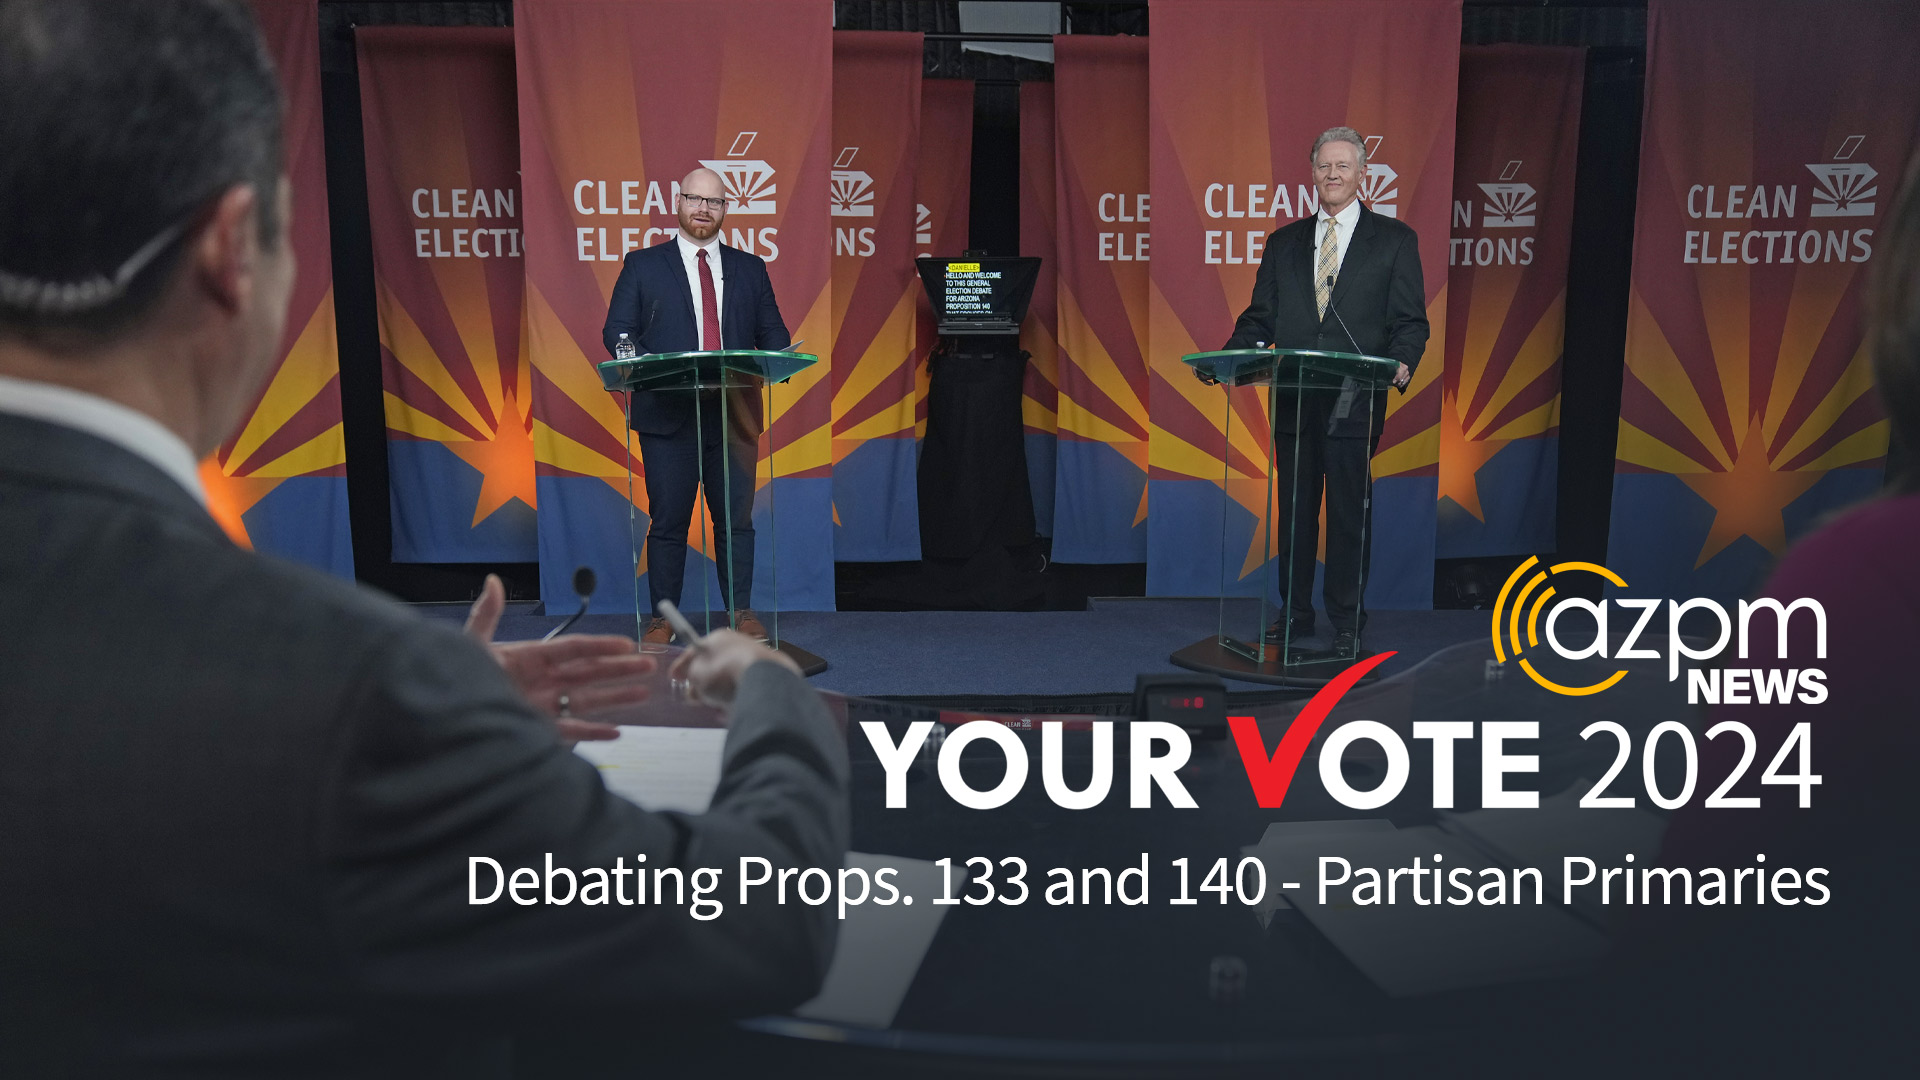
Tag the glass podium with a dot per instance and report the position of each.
(729, 373)
(1307, 392)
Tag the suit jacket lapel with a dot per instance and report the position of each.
(1356, 250)
(729, 303)
(678, 265)
(1300, 268)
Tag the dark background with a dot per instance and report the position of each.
(1602, 251)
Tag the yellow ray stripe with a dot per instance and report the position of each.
(810, 451)
(891, 347)
(402, 416)
(561, 361)
(1090, 355)
(1856, 380)
(1652, 360)
(323, 451)
(1537, 354)
(1408, 454)
(1531, 423)
(880, 424)
(409, 345)
(310, 365)
(1864, 445)
(1817, 291)
(1491, 301)
(552, 448)
(1636, 447)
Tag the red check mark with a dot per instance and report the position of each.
(1271, 777)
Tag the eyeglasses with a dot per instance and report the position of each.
(695, 202)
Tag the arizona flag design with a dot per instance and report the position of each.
(443, 194)
(1240, 89)
(876, 136)
(279, 484)
(612, 115)
(1105, 245)
(1748, 410)
(1512, 226)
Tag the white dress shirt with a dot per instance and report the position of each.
(133, 431)
(1349, 218)
(689, 255)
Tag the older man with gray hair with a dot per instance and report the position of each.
(1346, 279)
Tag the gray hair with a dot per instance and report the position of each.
(1340, 134)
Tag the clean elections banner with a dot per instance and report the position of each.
(443, 196)
(1105, 214)
(279, 485)
(1519, 142)
(876, 139)
(1040, 333)
(614, 110)
(1240, 89)
(1747, 410)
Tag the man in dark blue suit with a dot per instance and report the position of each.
(693, 292)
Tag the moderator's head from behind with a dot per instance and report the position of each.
(142, 190)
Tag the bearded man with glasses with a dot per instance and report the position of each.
(695, 293)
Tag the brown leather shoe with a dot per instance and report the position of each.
(658, 632)
(748, 623)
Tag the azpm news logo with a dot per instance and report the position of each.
(1529, 596)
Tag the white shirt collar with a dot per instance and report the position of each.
(688, 246)
(129, 429)
(1347, 217)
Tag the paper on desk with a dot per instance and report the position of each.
(880, 948)
(661, 768)
(1409, 949)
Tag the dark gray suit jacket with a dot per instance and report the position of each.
(237, 800)
(1379, 292)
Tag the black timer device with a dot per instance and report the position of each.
(1197, 703)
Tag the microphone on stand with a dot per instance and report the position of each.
(583, 585)
(1335, 308)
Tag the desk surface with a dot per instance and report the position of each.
(1109, 982)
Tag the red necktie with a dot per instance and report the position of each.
(709, 307)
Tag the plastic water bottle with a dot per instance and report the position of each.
(624, 350)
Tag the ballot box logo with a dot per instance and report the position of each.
(748, 182)
(1510, 204)
(849, 191)
(1844, 187)
(922, 224)
(1695, 630)
(1381, 188)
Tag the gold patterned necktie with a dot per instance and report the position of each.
(1329, 265)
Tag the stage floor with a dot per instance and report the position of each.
(1037, 653)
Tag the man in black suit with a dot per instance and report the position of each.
(241, 799)
(1345, 280)
(694, 292)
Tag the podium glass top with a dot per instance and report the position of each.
(688, 369)
(1239, 367)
